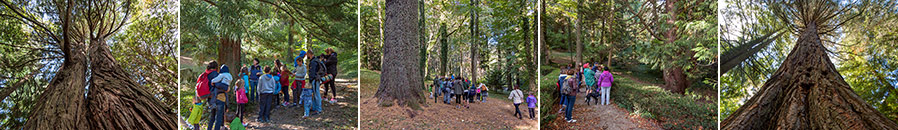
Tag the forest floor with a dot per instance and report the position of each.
(340, 115)
(603, 117)
(496, 113)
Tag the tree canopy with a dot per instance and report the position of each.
(859, 37)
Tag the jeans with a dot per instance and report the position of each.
(447, 97)
(307, 98)
(563, 98)
(569, 106)
(252, 90)
(218, 118)
(605, 93)
(517, 112)
(316, 104)
(265, 107)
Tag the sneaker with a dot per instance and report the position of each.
(572, 120)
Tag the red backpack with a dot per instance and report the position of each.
(202, 84)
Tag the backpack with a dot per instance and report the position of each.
(569, 86)
(322, 69)
(202, 85)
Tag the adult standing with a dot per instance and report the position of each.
(517, 98)
(317, 70)
(254, 72)
(605, 81)
(459, 88)
(331, 63)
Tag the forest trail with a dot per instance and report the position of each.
(339, 115)
(495, 113)
(601, 117)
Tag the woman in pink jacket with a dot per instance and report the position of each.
(605, 79)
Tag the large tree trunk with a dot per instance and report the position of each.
(401, 81)
(116, 102)
(675, 79)
(61, 105)
(229, 52)
(807, 92)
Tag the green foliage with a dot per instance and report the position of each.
(861, 45)
(677, 112)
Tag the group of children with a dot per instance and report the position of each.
(594, 77)
(265, 86)
(464, 92)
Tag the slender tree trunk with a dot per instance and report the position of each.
(401, 81)
(116, 102)
(475, 38)
(737, 55)
(444, 49)
(807, 92)
(542, 35)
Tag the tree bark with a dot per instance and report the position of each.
(475, 39)
(737, 55)
(116, 102)
(401, 81)
(807, 92)
(675, 79)
(542, 35)
(61, 105)
(229, 51)
(444, 49)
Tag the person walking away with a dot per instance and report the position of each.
(331, 63)
(203, 88)
(447, 89)
(531, 103)
(605, 82)
(517, 98)
(254, 72)
(570, 89)
(299, 77)
(317, 70)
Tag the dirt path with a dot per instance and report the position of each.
(340, 115)
(492, 114)
(593, 117)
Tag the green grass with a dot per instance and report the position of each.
(370, 80)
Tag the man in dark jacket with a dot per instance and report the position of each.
(331, 63)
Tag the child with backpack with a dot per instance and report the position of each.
(299, 77)
(531, 103)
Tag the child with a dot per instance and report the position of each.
(267, 89)
(531, 103)
(285, 84)
(486, 92)
(277, 83)
(240, 95)
(299, 77)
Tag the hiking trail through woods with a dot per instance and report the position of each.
(340, 115)
(592, 117)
